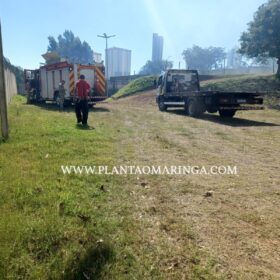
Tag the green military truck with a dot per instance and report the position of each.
(181, 88)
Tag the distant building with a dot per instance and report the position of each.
(157, 47)
(234, 59)
(119, 62)
(97, 57)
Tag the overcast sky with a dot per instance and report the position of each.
(183, 23)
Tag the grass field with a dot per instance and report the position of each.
(56, 226)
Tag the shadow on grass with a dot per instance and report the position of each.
(2, 140)
(82, 127)
(71, 108)
(51, 107)
(235, 122)
(99, 109)
(91, 264)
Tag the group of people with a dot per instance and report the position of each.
(82, 91)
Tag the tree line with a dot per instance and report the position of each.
(260, 41)
(71, 47)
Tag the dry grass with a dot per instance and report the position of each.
(153, 227)
(237, 228)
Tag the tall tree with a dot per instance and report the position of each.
(262, 39)
(71, 47)
(204, 59)
(155, 67)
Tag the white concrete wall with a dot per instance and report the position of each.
(11, 85)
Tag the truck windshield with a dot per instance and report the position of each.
(179, 82)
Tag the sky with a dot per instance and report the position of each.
(27, 24)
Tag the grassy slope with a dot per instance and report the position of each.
(246, 83)
(140, 84)
(268, 85)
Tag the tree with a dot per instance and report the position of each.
(262, 39)
(155, 67)
(71, 47)
(204, 59)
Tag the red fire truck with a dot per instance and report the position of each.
(42, 84)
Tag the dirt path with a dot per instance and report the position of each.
(233, 233)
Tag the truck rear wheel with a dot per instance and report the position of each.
(227, 113)
(194, 108)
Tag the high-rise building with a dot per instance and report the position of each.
(157, 47)
(119, 62)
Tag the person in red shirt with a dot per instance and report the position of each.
(82, 96)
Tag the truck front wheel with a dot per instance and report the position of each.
(162, 107)
(227, 113)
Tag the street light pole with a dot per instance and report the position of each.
(106, 37)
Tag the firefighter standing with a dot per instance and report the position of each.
(82, 96)
(62, 93)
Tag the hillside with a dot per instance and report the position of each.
(246, 83)
(138, 85)
(268, 85)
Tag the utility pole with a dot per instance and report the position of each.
(3, 98)
(106, 37)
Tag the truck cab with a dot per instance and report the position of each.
(174, 85)
(173, 82)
